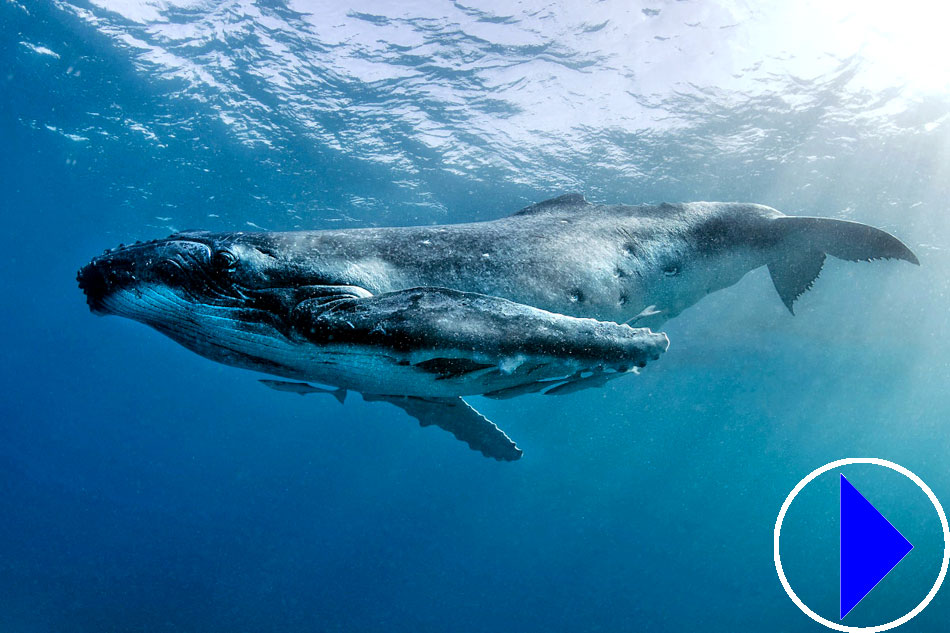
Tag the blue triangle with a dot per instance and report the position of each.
(870, 547)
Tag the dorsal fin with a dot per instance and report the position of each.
(567, 200)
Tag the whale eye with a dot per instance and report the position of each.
(224, 260)
(671, 270)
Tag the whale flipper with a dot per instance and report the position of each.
(463, 343)
(458, 418)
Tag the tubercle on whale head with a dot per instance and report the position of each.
(171, 262)
(198, 264)
(172, 282)
(213, 293)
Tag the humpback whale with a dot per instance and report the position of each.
(561, 296)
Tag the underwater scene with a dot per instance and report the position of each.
(474, 316)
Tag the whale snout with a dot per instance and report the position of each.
(95, 286)
(101, 277)
(170, 262)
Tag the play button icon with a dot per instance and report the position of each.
(870, 547)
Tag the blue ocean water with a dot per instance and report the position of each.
(143, 488)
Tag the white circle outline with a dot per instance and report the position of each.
(943, 523)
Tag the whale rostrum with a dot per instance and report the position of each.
(561, 296)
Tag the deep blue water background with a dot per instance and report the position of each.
(143, 488)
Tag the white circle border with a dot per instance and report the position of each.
(943, 523)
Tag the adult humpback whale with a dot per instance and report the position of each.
(542, 300)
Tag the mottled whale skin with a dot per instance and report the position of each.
(543, 299)
(565, 255)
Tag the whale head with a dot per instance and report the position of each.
(210, 292)
(226, 296)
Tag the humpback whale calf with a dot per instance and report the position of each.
(560, 296)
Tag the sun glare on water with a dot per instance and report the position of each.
(899, 44)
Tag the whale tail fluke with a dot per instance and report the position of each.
(794, 274)
(808, 240)
(844, 239)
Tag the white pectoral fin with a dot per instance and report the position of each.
(458, 418)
